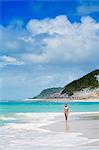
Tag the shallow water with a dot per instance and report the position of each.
(45, 131)
(41, 126)
(37, 106)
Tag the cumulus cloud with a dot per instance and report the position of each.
(66, 41)
(51, 41)
(50, 26)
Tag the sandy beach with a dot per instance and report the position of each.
(86, 123)
(64, 100)
(49, 131)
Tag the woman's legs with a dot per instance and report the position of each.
(66, 116)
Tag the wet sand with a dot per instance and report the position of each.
(49, 131)
(86, 124)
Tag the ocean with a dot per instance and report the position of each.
(38, 106)
(36, 125)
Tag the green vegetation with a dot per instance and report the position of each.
(87, 81)
(48, 92)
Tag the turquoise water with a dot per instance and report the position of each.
(37, 106)
(22, 125)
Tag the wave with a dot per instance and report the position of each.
(40, 116)
(31, 129)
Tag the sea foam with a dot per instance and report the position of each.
(29, 133)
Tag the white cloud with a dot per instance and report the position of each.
(8, 60)
(53, 41)
(68, 42)
(50, 26)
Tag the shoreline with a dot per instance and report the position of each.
(63, 100)
(83, 125)
(80, 132)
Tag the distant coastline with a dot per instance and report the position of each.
(65, 100)
(85, 88)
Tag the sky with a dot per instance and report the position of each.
(46, 43)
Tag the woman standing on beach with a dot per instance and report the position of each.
(66, 111)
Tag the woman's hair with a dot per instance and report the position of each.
(65, 105)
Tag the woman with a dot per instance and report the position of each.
(66, 111)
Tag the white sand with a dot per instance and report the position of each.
(49, 131)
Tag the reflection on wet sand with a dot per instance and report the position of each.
(67, 128)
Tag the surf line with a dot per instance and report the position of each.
(88, 141)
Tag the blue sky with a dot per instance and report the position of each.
(46, 44)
